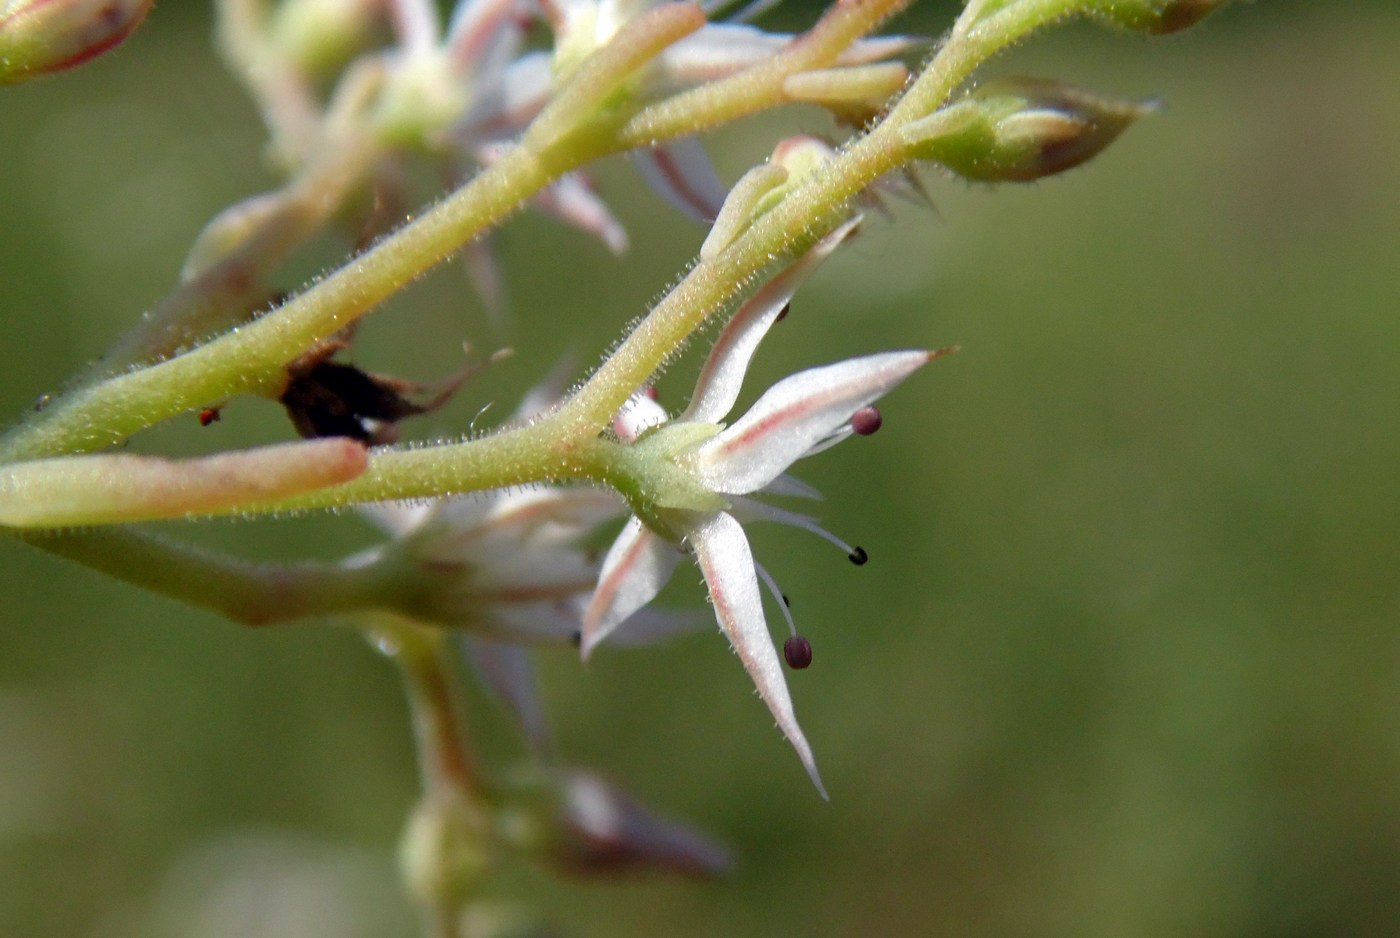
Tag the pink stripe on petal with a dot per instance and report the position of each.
(637, 565)
(728, 565)
(723, 372)
(680, 172)
(795, 414)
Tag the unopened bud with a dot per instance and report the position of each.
(763, 187)
(1158, 17)
(445, 852)
(1021, 129)
(42, 36)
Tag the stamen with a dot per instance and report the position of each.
(866, 421)
(830, 440)
(778, 594)
(765, 512)
(782, 313)
(798, 652)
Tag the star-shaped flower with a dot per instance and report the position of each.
(802, 414)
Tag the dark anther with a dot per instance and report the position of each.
(859, 556)
(576, 639)
(782, 313)
(208, 415)
(866, 421)
(798, 652)
(786, 602)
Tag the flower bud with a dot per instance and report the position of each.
(577, 821)
(445, 851)
(42, 36)
(764, 186)
(1158, 17)
(1021, 129)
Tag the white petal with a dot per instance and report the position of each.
(572, 200)
(721, 49)
(500, 112)
(638, 414)
(793, 415)
(415, 24)
(397, 518)
(637, 565)
(648, 626)
(505, 670)
(530, 576)
(543, 397)
(617, 832)
(727, 563)
(718, 50)
(723, 373)
(552, 516)
(484, 272)
(878, 47)
(483, 35)
(552, 622)
(792, 487)
(680, 172)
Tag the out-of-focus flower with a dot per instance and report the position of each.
(720, 467)
(585, 824)
(42, 36)
(508, 570)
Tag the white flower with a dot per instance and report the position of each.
(507, 569)
(801, 414)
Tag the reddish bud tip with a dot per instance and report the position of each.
(42, 36)
(1158, 17)
(798, 652)
(1022, 129)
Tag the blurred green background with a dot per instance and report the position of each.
(1125, 661)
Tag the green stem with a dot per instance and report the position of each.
(447, 848)
(421, 655)
(252, 358)
(246, 592)
(230, 290)
(549, 450)
(110, 412)
(804, 216)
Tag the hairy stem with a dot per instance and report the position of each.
(246, 592)
(805, 215)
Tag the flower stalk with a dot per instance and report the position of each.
(490, 544)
